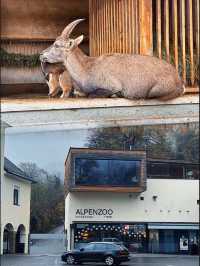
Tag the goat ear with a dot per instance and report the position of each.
(79, 40)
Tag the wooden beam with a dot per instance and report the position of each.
(145, 27)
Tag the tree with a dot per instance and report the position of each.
(177, 141)
(47, 199)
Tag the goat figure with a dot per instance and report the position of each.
(57, 78)
(127, 75)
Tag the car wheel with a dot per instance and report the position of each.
(109, 261)
(70, 260)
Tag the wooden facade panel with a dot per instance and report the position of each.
(176, 36)
(120, 26)
(190, 38)
(166, 28)
(183, 39)
(175, 31)
(158, 28)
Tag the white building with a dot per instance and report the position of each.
(161, 217)
(15, 207)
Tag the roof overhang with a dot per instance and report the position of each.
(18, 177)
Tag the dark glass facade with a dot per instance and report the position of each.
(133, 236)
(107, 172)
(172, 170)
(173, 241)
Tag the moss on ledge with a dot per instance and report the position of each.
(18, 60)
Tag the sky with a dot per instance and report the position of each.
(47, 149)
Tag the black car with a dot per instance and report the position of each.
(109, 253)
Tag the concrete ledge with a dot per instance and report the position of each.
(41, 104)
(58, 114)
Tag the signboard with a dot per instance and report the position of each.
(183, 243)
(92, 213)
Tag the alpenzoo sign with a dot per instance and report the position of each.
(90, 213)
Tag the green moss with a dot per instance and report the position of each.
(18, 60)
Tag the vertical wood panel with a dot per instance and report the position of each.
(136, 24)
(166, 28)
(158, 28)
(197, 27)
(145, 26)
(175, 32)
(191, 41)
(183, 40)
(120, 26)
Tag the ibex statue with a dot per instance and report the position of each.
(57, 78)
(128, 75)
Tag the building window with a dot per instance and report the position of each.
(109, 172)
(16, 196)
(172, 170)
(158, 169)
(192, 172)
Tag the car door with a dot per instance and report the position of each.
(99, 251)
(87, 253)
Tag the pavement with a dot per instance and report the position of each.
(48, 253)
(136, 260)
(53, 246)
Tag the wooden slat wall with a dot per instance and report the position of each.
(176, 36)
(120, 26)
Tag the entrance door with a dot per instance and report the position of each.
(167, 241)
(20, 239)
(8, 238)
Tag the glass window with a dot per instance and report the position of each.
(159, 169)
(192, 172)
(100, 246)
(176, 171)
(168, 170)
(107, 172)
(113, 247)
(16, 196)
(89, 247)
(132, 236)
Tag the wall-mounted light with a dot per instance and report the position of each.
(155, 197)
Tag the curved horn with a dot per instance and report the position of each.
(69, 28)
